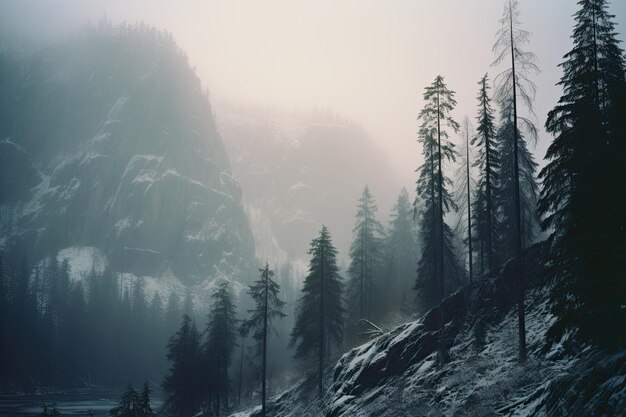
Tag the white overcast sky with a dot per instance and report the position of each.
(368, 60)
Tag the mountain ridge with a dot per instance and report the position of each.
(121, 153)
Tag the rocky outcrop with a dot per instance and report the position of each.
(399, 374)
(112, 144)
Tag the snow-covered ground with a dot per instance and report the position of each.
(398, 374)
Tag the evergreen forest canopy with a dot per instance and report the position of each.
(481, 205)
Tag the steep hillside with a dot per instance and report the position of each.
(302, 170)
(397, 374)
(107, 142)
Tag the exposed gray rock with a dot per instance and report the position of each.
(398, 374)
(113, 145)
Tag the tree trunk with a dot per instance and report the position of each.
(362, 278)
(518, 224)
(435, 224)
(469, 207)
(243, 339)
(321, 357)
(441, 236)
(488, 192)
(226, 388)
(264, 342)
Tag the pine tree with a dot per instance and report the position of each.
(505, 230)
(4, 310)
(23, 308)
(58, 300)
(583, 196)
(268, 307)
(125, 344)
(513, 84)
(464, 195)
(433, 199)
(366, 260)
(183, 384)
(438, 268)
(55, 411)
(138, 325)
(220, 344)
(144, 409)
(56, 282)
(156, 335)
(401, 251)
(320, 314)
(488, 165)
(103, 308)
(188, 307)
(173, 313)
(128, 404)
(74, 349)
(242, 334)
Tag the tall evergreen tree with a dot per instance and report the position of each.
(4, 305)
(438, 268)
(584, 195)
(505, 230)
(144, 409)
(74, 348)
(513, 83)
(102, 302)
(366, 259)
(157, 339)
(401, 251)
(320, 314)
(220, 345)
(138, 325)
(58, 280)
(433, 200)
(126, 341)
(23, 349)
(183, 384)
(188, 307)
(56, 315)
(268, 307)
(242, 334)
(464, 194)
(488, 165)
(173, 312)
(128, 404)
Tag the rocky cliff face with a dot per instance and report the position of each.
(302, 170)
(109, 142)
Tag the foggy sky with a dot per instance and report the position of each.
(368, 60)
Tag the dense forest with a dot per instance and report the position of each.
(488, 226)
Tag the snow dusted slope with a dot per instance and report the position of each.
(114, 147)
(397, 373)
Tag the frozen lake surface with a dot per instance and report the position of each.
(75, 404)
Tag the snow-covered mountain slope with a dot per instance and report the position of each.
(398, 374)
(300, 171)
(107, 141)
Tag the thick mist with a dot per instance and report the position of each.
(365, 60)
(303, 208)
